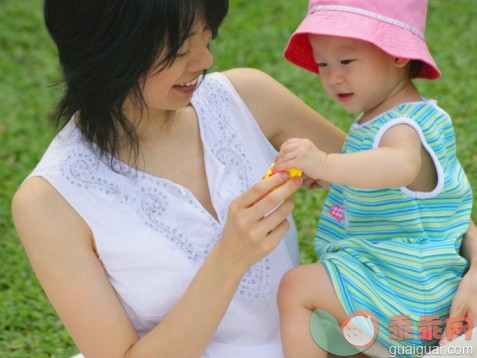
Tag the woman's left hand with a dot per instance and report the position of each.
(464, 304)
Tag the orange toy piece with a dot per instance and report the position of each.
(294, 172)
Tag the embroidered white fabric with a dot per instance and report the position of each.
(152, 235)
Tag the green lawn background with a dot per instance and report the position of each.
(254, 35)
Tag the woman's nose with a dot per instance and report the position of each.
(202, 60)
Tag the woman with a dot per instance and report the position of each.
(169, 243)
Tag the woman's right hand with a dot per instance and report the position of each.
(257, 221)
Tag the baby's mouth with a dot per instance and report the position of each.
(344, 95)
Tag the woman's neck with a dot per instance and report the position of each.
(156, 130)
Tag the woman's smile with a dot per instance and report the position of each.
(188, 87)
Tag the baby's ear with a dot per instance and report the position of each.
(401, 62)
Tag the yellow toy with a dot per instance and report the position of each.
(294, 172)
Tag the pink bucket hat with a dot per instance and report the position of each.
(395, 26)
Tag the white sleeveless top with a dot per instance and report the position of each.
(152, 235)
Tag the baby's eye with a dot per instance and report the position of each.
(346, 62)
(322, 64)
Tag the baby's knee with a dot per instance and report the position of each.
(302, 284)
(289, 284)
(292, 286)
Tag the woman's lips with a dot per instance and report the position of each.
(185, 89)
(188, 87)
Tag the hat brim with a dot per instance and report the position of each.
(392, 39)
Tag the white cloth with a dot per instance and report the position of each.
(152, 235)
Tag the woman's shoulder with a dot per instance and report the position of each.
(37, 197)
(249, 84)
(269, 102)
(249, 81)
(33, 197)
(236, 75)
(36, 209)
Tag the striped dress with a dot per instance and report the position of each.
(395, 252)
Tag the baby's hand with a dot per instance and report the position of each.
(301, 154)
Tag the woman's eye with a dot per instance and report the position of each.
(182, 54)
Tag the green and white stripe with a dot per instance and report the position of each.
(396, 251)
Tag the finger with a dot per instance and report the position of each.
(456, 310)
(275, 236)
(289, 146)
(286, 149)
(288, 164)
(291, 141)
(261, 189)
(275, 197)
(276, 216)
(284, 160)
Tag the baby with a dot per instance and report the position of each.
(390, 231)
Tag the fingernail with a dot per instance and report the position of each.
(285, 175)
(298, 180)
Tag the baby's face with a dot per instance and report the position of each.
(356, 74)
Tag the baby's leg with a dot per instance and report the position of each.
(302, 290)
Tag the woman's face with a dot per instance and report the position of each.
(172, 88)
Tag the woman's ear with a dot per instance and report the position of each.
(401, 62)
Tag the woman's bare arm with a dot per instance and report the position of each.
(60, 247)
(281, 114)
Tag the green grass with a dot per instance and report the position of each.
(253, 35)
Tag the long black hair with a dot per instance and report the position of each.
(106, 47)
